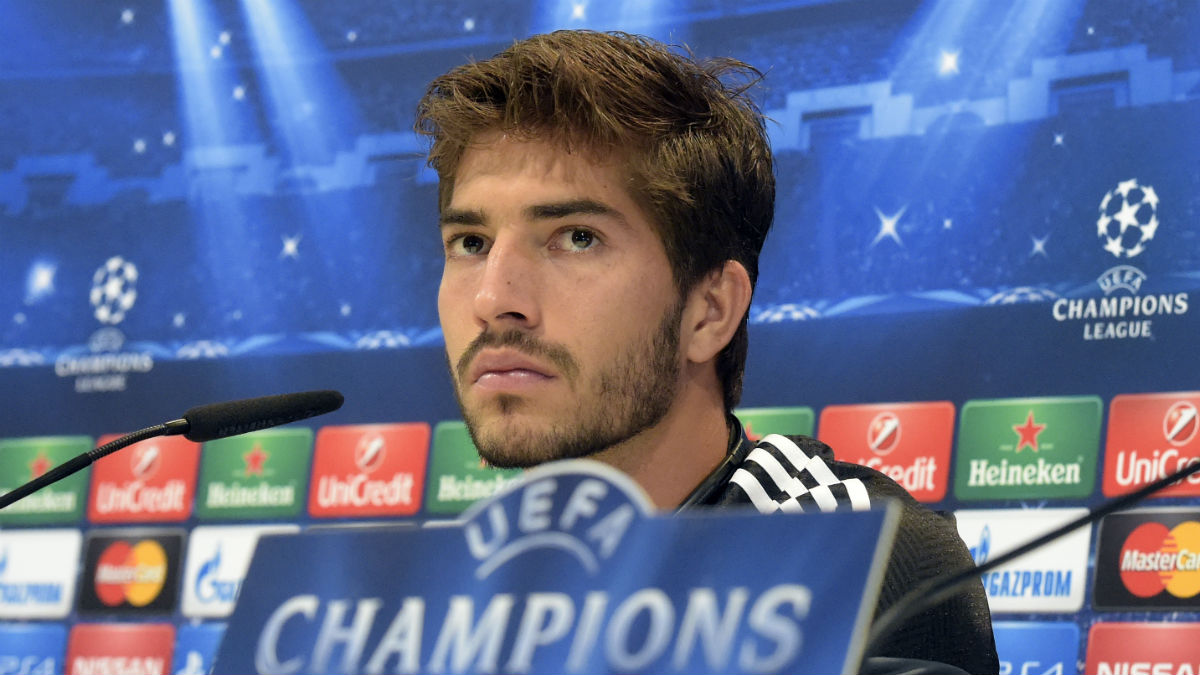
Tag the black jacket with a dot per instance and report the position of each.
(957, 632)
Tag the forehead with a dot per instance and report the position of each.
(495, 157)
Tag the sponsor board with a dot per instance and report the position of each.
(127, 649)
(196, 647)
(32, 648)
(759, 423)
(457, 476)
(37, 573)
(1149, 437)
(1049, 579)
(1037, 647)
(1143, 649)
(260, 475)
(368, 470)
(217, 560)
(527, 582)
(149, 481)
(131, 572)
(1149, 559)
(1028, 448)
(909, 442)
(23, 459)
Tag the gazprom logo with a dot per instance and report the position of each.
(209, 588)
(980, 552)
(580, 516)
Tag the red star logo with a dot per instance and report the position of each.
(40, 465)
(750, 435)
(1028, 433)
(255, 460)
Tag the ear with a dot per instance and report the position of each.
(714, 311)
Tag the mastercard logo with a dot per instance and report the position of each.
(131, 573)
(1156, 559)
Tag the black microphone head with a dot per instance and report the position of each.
(221, 420)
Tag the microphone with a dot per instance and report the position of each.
(199, 424)
(937, 589)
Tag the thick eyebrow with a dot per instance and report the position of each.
(573, 207)
(460, 217)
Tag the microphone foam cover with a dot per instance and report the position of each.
(221, 420)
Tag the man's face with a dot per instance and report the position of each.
(557, 304)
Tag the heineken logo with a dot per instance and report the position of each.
(23, 459)
(1028, 448)
(1027, 433)
(257, 475)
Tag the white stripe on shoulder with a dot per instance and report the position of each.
(859, 499)
(758, 496)
(814, 465)
(774, 469)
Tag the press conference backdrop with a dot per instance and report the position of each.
(982, 280)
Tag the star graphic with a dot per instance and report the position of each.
(1039, 246)
(1059, 139)
(947, 224)
(179, 319)
(1028, 433)
(887, 225)
(255, 459)
(291, 248)
(749, 429)
(40, 465)
(578, 11)
(1127, 216)
(1126, 186)
(1149, 196)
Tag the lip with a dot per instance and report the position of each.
(506, 368)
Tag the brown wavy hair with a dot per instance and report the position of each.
(691, 137)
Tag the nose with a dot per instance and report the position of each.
(507, 291)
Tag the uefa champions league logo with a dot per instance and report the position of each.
(114, 290)
(1128, 218)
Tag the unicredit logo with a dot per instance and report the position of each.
(883, 434)
(1156, 559)
(1180, 423)
(144, 460)
(370, 452)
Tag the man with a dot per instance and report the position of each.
(603, 201)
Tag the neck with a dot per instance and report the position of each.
(670, 459)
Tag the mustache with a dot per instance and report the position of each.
(522, 342)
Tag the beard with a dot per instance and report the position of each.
(629, 394)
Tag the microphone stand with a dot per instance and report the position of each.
(84, 460)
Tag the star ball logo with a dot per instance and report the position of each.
(1149, 437)
(132, 572)
(106, 367)
(1127, 223)
(1149, 558)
